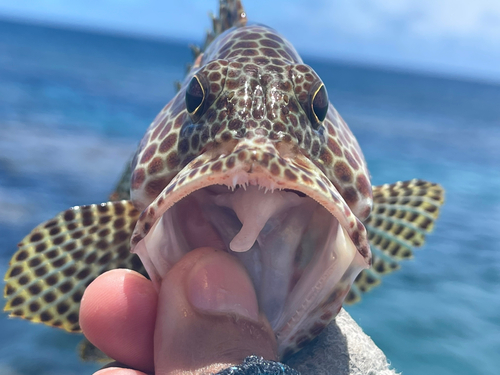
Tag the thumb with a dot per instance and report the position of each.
(208, 316)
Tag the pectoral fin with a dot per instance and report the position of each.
(403, 213)
(61, 257)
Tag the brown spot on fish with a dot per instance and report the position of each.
(173, 160)
(36, 237)
(59, 262)
(9, 289)
(138, 178)
(154, 187)
(104, 232)
(268, 52)
(168, 143)
(51, 223)
(326, 157)
(102, 245)
(290, 175)
(155, 166)
(352, 162)
(148, 153)
(34, 262)
(217, 166)
(104, 220)
(17, 301)
(40, 271)
(343, 172)
(70, 271)
(22, 255)
(179, 120)
(275, 169)
(52, 280)
(73, 318)
(41, 247)
(46, 316)
(350, 195)
(69, 215)
(363, 186)
(34, 289)
(90, 258)
(230, 162)
(15, 271)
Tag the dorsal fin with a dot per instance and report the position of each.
(231, 14)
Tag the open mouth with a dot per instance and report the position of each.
(297, 253)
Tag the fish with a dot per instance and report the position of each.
(249, 157)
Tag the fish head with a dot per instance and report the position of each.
(251, 158)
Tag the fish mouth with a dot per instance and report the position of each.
(299, 246)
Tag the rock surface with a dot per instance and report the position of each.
(342, 349)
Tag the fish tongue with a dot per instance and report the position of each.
(254, 208)
(227, 225)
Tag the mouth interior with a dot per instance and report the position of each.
(294, 250)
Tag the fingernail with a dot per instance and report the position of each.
(219, 284)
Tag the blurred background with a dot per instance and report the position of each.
(418, 81)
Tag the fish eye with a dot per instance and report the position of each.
(195, 96)
(319, 105)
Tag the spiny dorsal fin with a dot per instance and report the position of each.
(231, 14)
(403, 213)
(62, 256)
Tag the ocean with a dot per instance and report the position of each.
(74, 105)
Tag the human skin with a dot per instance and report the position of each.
(204, 318)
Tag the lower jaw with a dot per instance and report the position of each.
(294, 250)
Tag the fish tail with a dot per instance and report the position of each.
(403, 214)
(62, 256)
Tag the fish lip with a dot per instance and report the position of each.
(257, 165)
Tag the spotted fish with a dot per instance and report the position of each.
(249, 157)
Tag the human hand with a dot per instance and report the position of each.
(205, 318)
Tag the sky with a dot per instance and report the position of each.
(445, 37)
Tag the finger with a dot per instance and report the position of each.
(117, 314)
(208, 316)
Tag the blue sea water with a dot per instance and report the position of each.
(74, 105)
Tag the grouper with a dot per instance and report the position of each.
(250, 158)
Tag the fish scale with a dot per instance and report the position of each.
(249, 113)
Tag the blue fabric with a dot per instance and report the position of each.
(253, 365)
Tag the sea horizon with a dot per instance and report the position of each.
(154, 38)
